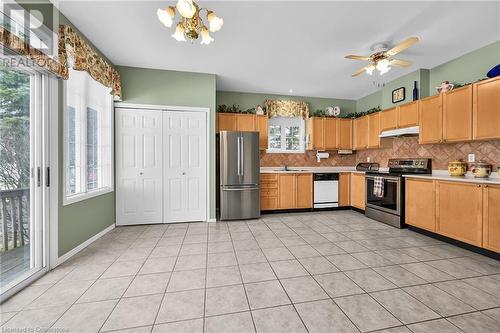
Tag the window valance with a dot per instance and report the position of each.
(72, 47)
(18, 45)
(283, 108)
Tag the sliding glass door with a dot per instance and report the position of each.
(22, 172)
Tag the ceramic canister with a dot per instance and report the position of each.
(457, 168)
(481, 169)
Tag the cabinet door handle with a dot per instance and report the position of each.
(478, 185)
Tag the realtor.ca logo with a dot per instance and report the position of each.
(34, 22)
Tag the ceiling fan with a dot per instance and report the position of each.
(382, 58)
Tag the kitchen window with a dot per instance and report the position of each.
(286, 135)
(88, 138)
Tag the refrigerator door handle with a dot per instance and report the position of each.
(239, 156)
(242, 163)
(241, 189)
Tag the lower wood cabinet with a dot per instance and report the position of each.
(468, 212)
(491, 217)
(459, 211)
(420, 203)
(344, 189)
(268, 191)
(358, 190)
(286, 191)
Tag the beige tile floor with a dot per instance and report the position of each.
(308, 272)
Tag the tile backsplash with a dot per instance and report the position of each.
(441, 154)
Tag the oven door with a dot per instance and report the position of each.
(390, 202)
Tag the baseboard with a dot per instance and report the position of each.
(83, 245)
(212, 220)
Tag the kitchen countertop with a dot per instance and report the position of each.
(311, 170)
(467, 178)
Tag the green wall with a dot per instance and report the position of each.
(162, 87)
(370, 101)
(81, 220)
(465, 69)
(250, 100)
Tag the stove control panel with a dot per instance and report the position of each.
(420, 165)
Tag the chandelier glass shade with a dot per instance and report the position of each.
(191, 25)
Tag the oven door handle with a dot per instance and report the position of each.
(395, 179)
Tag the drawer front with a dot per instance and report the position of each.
(268, 192)
(268, 203)
(268, 185)
(268, 177)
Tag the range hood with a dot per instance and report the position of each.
(408, 131)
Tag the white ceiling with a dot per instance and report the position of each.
(272, 47)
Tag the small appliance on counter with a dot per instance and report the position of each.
(239, 175)
(367, 166)
(385, 191)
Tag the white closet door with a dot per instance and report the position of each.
(138, 166)
(185, 166)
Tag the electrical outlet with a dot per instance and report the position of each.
(368, 159)
(471, 158)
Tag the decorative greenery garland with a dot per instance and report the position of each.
(323, 113)
(223, 108)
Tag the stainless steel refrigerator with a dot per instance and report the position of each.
(239, 175)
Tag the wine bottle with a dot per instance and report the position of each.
(415, 91)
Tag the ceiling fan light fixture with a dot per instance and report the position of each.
(215, 22)
(179, 33)
(166, 16)
(186, 8)
(369, 69)
(205, 36)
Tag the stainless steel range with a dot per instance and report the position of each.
(385, 200)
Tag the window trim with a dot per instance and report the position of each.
(74, 198)
(302, 141)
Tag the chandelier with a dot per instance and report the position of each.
(191, 25)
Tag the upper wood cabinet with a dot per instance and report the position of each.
(408, 115)
(330, 133)
(459, 211)
(374, 130)
(322, 133)
(317, 133)
(486, 106)
(261, 124)
(360, 133)
(491, 217)
(420, 203)
(457, 115)
(389, 119)
(358, 190)
(245, 123)
(430, 113)
(344, 189)
(226, 122)
(344, 133)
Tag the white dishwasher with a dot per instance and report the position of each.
(326, 190)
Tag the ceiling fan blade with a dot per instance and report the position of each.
(402, 46)
(356, 57)
(400, 63)
(359, 72)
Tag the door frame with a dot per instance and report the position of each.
(167, 108)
